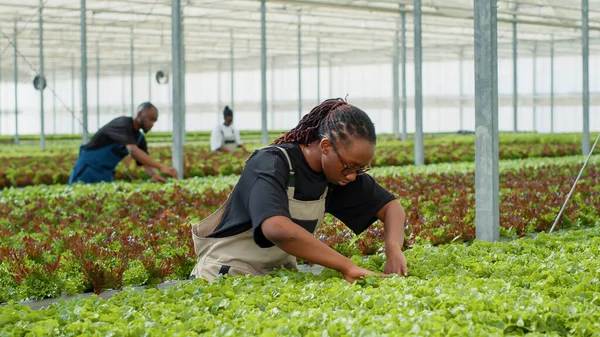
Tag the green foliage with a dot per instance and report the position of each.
(103, 236)
(546, 286)
(25, 165)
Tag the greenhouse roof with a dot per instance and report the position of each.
(344, 31)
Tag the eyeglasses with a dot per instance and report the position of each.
(347, 169)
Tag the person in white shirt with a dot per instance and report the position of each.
(224, 137)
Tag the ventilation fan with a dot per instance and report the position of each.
(161, 77)
(38, 82)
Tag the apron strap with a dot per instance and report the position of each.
(324, 195)
(140, 137)
(292, 182)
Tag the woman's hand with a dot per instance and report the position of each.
(157, 178)
(355, 273)
(396, 262)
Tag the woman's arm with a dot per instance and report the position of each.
(393, 217)
(296, 241)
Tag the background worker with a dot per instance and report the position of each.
(113, 142)
(224, 137)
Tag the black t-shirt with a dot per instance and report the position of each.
(120, 130)
(261, 193)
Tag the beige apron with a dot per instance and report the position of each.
(239, 254)
(229, 142)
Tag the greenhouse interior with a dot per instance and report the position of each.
(299, 168)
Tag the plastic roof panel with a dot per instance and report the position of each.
(349, 32)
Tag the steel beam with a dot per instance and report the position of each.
(54, 98)
(299, 66)
(515, 77)
(176, 50)
(552, 85)
(16, 85)
(231, 71)
(419, 145)
(263, 70)
(585, 55)
(183, 74)
(404, 96)
(72, 95)
(42, 77)
(84, 105)
(97, 86)
(461, 88)
(486, 121)
(534, 91)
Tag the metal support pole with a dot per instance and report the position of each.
(183, 73)
(16, 88)
(232, 71)
(299, 66)
(132, 74)
(176, 50)
(585, 41)
(263, 69)
(54, 99)
(84, 105)
(419, 146)
(552, 85)
(72, 95)
(318, 70)
(515, 76)
(395, 84)
(42, 77)
(461, 88)
(97, 86)
(404, 96)
(486, 120)
(534, 88)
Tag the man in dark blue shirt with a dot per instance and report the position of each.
(113, 142)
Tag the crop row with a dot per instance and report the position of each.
(56, 240)
(547, 286)
(55, 168)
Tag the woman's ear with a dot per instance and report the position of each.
(325, 145)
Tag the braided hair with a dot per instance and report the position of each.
(334, 118)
